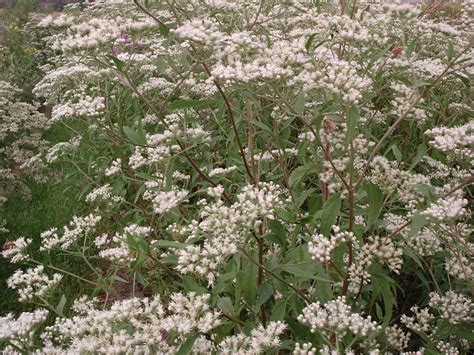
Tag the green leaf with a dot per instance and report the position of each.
(466, 334)
(265, 291)
(299, 103)
(375, 199)
(353, 117)
(330, 212)
(61, 304)
(160, 65)
(187, 346)
(450, 51)
(413, 256)
(309, 41)
(383, 286)
(299, 174)
(169, 244)
(118, 63)
(417, 224)
(280, 233)
(164, 30)
(306, 271)
(397, 152)
(249, 280)
(134, 136)
(190, 284)
(278, 311)
(179, 104)
(420, 153)
(225, 304)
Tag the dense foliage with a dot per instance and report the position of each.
(258, 176)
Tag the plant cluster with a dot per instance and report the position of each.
(259, 176)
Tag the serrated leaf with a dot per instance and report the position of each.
(190, 284)
(61, 304)
(305, 271)
(265, 291)
(375, 199)
(309, 41)
(298, 175)
(299, 103)
(280, 233)
(249, 280)
(353, 116)
(179, 104)
(187, 346)
(420, 153)
(118, 63)
(397, 152)
(450, 51)
(169, 244)
(134, 136)
(278, 311)
(330, 212)
(417, 224)
(225, 304)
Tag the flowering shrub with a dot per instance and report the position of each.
(260, 176)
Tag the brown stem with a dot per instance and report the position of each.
(345, 283)
(232, 121)
(142, 8)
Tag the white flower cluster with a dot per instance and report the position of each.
(160, 146)
(15, 250)
(56, 21)
(98, 31)
(163, 201)
(114, 168)
(275, 153)
(103, 193)
(419, 322)
(457, 141)
(21, 330)
(340, 78)
(222, 171)
(163, 86)
(404, 99)
(224, 228)
(82, 106)
(22, 126)
(446, 209)
(304, 349)
(336, 316)
(200, 30)
(454, 307)
(387, 252)
(32, 283)
(397, 338)
(260, 339)
(259, 202)
(460, 266)
(425, 243)
(60, 148)
(117, 248)
(133, 325)
(321, 247)
(79, 226)
(83, 305)
(66, 79)
(381, 249)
